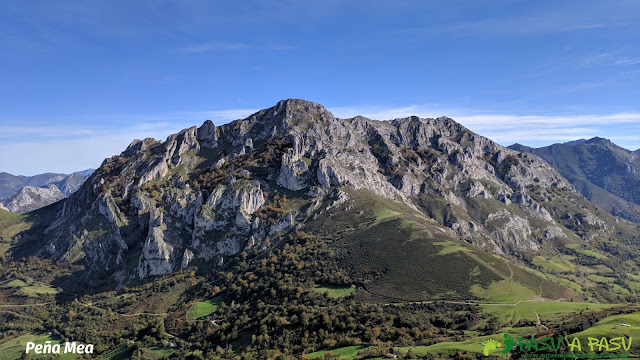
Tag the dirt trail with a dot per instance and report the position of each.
(538, 323)
(511, 276)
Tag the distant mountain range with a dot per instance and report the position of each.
(603, 172)
(25, 193)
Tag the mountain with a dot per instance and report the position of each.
(67, 184)
(42, 190)
(209, 193)
(293, 233)
(30, 198)
(603, 172)
(72, 182)
(10, 184)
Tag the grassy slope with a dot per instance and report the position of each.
(10, 225)
(335, 291)
(391, 245)
(36, 290)
(204, 308)
(346, 352)
(32, 289)
(611, 327)
(398, 254)
(549, 311)
(16, 224)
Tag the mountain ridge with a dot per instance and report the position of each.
(294, 229)
(208, 193)
(38, 191)
(67, 183)
(602, 171)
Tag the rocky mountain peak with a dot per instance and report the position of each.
(295, 109)
(140, 145)
(602, 142)
(209, 192)
(597, 140)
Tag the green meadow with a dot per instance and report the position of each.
(204, 308)
(334, 291)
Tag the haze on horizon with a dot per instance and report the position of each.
(83, 79)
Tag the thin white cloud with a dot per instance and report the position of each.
(536, 130)
(515, 26)
(593, 60)
(627, 61)
(492, 121)
(40, 131)
(385, 113)
(605, 59)
(222, 46)
(170, 79)
(199, 48)
(223, 116)
(72, 148)
(159, 125)
(563, 17)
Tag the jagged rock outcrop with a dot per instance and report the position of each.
(209, 192)
(156, 258)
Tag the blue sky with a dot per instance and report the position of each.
(81, 79)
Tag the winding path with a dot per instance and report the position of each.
(538, 320)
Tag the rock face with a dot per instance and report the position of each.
(31, 198)
(600, 170)
(210, 192)
(72, 182)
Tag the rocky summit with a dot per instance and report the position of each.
(210, 192)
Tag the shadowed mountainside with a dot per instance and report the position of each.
(603, 172)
